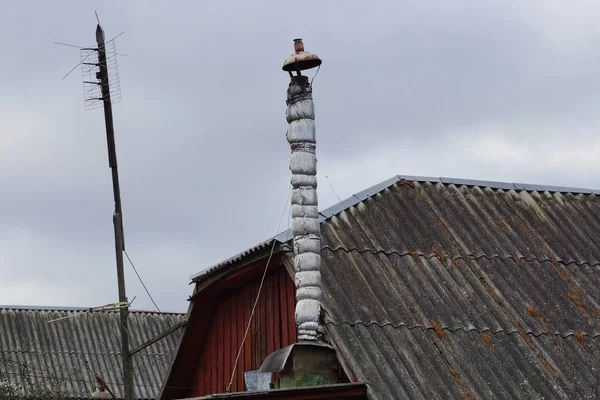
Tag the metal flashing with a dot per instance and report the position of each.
(234, 259)
(339, 207)
(562, 189)
(535, 188)
(447, 181)
(275, 362)
(373, 190)
(284, 236)
(419, 178)
(494, 185)
(551, 189)
(471, 183)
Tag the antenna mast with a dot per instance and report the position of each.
(101, 87)
(103, 76)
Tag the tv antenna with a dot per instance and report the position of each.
(102, 88)
(90, 70)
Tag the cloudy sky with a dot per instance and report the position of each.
(492, 90)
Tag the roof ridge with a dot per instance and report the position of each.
(373, 190)
(500, 184)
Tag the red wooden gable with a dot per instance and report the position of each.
(216, 327)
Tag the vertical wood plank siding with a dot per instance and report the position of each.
(273, 327)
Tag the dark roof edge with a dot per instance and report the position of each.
(240, 256)
(353, 200)
(76, 309)
(289, 392)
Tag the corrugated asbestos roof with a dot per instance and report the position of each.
(286, 236)
(58, 352)
(436, 290)
(439, 288)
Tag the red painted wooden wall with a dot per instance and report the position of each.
(272, 328)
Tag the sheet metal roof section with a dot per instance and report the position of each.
(458, 290)
(232, 260)
(59, 351)
(353, 200)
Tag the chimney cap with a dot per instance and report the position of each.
(301, 60)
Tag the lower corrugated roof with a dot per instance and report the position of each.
(62, 355)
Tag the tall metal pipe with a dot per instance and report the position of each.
(305, 213)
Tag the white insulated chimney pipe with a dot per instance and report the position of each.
(305, 213)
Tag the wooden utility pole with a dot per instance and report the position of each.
(117, 216)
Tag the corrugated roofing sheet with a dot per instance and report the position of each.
(60, 352)
(453, 290)
(363, 195)
(281, 238)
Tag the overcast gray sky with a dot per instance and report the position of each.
(489, 90)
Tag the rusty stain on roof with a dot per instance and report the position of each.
(502, 322)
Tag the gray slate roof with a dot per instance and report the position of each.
(59, 351)
(435, 290)
(438, 288)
